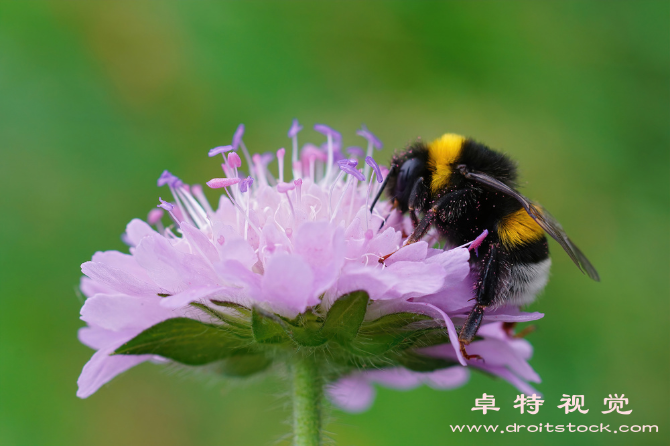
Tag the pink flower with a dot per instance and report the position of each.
(286, 249)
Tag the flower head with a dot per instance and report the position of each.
(286, 266)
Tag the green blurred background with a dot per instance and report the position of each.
(97, 98)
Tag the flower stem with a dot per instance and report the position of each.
(307, 395)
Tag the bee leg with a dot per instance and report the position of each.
(416, 199)
(485, 292)
(470, 328)
(419, 231)
(508, 328)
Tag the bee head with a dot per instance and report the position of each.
(404, 176)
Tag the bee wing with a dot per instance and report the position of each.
(543, 218)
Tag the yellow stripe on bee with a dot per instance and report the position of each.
(519, 228)
(442, 153)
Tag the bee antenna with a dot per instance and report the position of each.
(383, 186)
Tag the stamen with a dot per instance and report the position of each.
(195, 211)
(355, 151)
(260, 170)
(244, 186)
(476, 243)
(376, 173)
(166, 178)
(330, 192)
(154, 216)
(174, 183)
(196, 189)
(217, 183)
(337, 206)
(280, 161)
(237, 136)
(349, 166)
(375, 167)
(333, 137)
(311, 154)
(168, 207)
(298, 190)
(266, 159)
(283, 188)
(237, 142)
(234, 160)
(373, 142)
(224, 183)
(221, 149)
(246, 183)
(246, 153)
(293, 134)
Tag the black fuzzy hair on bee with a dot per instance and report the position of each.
(464, 189)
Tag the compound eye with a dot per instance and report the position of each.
(409, 171)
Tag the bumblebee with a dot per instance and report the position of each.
(462, 188)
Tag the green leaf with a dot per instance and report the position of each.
(305, 330)
(420, 363)
(428, 337)
(392, 331)
(186, 341)
(267, 328)
(394, 321)
(345, 317)
(244, 311)
(244, 365)
(242, 327)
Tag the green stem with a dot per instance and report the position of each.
(307, 394)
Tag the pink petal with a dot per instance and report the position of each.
(196, 294)
(171, 269)
(385, 243)
(101, 368)
(496, 352)
(448, 378)
(397, 378)
(411, 253)
(120, 312)
(456, 263)
(510, 377)
(359, 277)
(352, 393)
(288, 283)
(121, 261)
(414, 279)
(137, 229)
(200, 242)
(118, 280)
(90, 287)
(511, 314)
(322, 247)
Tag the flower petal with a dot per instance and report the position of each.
(352, 393)
(102, 367)
(288, 283)
(118, 279)
(121, 312)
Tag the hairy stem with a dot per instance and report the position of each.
(307, 395)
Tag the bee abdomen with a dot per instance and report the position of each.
(526, 281)
(518, 229)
